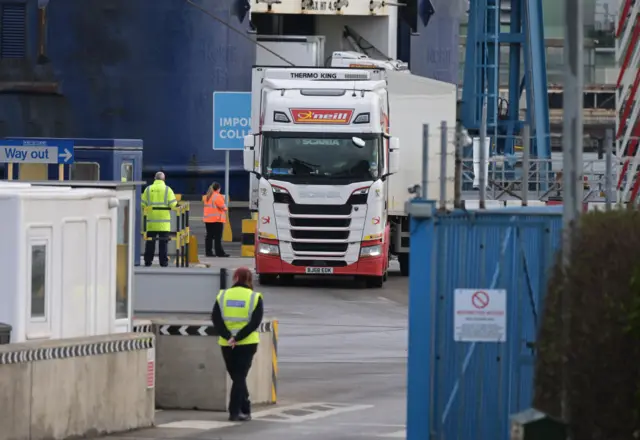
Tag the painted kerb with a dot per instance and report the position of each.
(472, 388)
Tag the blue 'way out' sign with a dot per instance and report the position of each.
(231, 119)
(36, 151)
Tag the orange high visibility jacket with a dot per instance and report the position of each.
(215, 211)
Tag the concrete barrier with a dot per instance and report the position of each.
(77, 387)
(191, 372)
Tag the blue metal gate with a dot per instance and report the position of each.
(467, 390)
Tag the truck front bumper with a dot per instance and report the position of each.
(365, 266)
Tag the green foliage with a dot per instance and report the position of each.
(603, 355)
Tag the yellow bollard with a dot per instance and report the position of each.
(193, 250)
(227, 234)
(248, 246)
(274, 361)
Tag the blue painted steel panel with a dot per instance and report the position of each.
(131, 69)
(435, 52)
(13, 23)
(482, 73)
(472, 388)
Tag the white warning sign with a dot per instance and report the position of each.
(480, 315)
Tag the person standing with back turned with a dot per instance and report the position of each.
(215, 216)
(237, 314)
(161, 199)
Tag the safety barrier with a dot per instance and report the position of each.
(77, 388)
(181, 347)
(248, 244)
(181, 236)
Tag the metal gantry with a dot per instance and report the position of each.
(627, 110)
(518, 25)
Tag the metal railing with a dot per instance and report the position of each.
(516, 176)
(181, 235)
(541, 179)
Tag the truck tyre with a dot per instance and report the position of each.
(403, 259)
(267, 279)
(375, 282)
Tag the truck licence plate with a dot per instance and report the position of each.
(319, 270)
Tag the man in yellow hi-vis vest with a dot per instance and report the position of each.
(237, 314)
(161, 199)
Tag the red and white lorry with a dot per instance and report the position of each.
(331, 178)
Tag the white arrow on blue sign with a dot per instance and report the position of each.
(36, 151)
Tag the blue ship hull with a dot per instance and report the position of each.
(133, 69)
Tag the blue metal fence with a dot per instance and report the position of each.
(467, 390)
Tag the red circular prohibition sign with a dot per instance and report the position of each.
(480, 299)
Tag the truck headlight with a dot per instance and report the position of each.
(371, 251)
(268, 249)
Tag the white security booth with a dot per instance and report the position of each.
(66, 262)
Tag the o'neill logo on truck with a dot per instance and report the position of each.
(321, 116)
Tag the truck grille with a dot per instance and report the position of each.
(318, 235)
(297, 209)
(320, 222)
(320, 263)
(303, 210)
(319, 247)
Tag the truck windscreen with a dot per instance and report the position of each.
(314, 157)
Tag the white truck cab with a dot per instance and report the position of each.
(321, 153)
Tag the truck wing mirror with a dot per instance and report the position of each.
(249, 142)
(249, 153)
(394, 155)
(394, 143)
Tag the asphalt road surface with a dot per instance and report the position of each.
(342, 369)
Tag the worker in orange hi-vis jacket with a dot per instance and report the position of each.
(214, 217)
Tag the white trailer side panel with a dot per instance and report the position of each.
(415, 101)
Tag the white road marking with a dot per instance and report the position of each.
(373, 425)
(280, 414)
(398, 434)
(203, 425)
(364, 301)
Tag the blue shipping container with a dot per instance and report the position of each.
(135, 69)
(467, 389)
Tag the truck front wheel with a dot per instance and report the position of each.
(374, 282)
(266, 279)
(403, 259)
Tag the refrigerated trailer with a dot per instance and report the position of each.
(331, 183)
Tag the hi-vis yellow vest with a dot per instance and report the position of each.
(161, 198)
(237, 305)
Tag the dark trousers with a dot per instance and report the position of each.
(238, 362)
(214, 235)
(150, 248)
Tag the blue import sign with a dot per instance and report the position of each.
(231, 119)
(36, 151)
